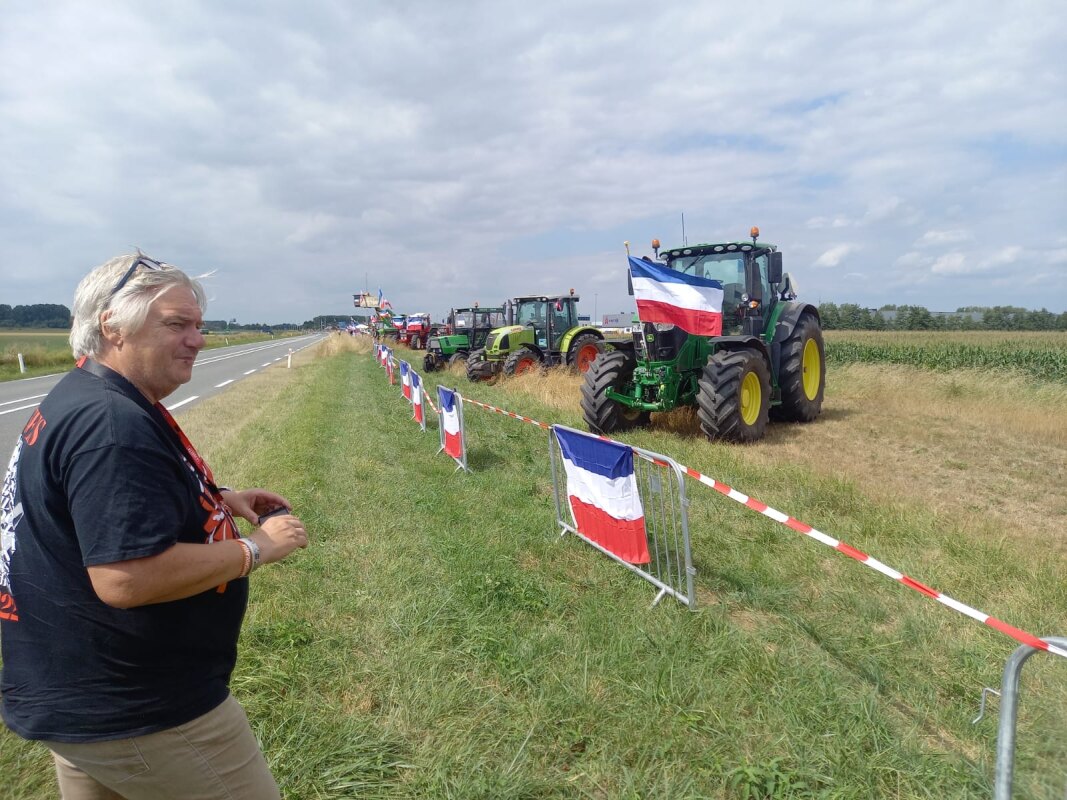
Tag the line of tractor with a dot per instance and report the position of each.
(768, 362)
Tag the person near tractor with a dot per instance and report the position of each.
(123, 577)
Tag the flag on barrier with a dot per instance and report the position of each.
(416, 398)
(405, 379)
(452, 439)
(664, 295)
(389, 368)
(603, 494)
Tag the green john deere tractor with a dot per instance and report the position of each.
(768, 363)
(468, 328)
(542, 331)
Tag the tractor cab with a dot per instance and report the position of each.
(549, 317)
(748, 273)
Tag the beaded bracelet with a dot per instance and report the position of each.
(246, 565)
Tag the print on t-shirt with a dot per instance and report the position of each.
(10, 516)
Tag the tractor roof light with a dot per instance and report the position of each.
(754, 233)
(572, 292)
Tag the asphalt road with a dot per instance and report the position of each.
(213, 372)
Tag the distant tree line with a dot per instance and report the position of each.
(39, 315)
(849, 316)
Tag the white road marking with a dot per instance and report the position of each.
(224, 383)
(250, 372)
(183, 402)
(19, 408)
(21, 400)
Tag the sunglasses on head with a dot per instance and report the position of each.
(140, 261)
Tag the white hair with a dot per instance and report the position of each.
(128, 306)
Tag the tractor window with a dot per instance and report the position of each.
(762, 265)
(531, 314)
(726, 268)
(561, 320)
(464, 319)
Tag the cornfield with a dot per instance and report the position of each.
(1041, 356)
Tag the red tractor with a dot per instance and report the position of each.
(416, 331)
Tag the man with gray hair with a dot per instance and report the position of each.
(123, 576)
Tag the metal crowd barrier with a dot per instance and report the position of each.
(662, 492)
(1009, 712)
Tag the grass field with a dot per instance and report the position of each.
(45, 352)
(439, 640)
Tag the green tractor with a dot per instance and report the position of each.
(542, 331)
(768, 362)
(469, 328)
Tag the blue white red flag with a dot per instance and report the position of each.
(398, 322)
(416, 396)
(450, 422)
(603, 494)
(664, 295)
(405, 379)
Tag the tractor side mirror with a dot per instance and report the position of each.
(774, 267)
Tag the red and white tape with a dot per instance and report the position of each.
(875, 564)
(511, 414)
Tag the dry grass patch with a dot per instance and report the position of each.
(974, 448)
(982, 450)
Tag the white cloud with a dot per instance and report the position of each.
(937, 238)
(835, 255)
(953, 264)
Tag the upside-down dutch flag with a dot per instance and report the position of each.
(450, 422)
(405, 379)
(664, 295)
(603, 494)
(416, 396)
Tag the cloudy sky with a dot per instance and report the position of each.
(904, 152)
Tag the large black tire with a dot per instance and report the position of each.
(611, 370)
(478, 369)
(458, 357)
(583, 351)
(802, 375)
(429, 362)
(522, 359)
(734, 398)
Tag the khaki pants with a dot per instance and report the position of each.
(213, 757)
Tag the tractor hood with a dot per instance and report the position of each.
(501, 340)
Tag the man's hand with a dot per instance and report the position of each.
(251, 503)
(279, 536)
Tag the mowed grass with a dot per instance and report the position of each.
(439, 640)
(46, 352)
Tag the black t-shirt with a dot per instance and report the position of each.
(98, 477)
